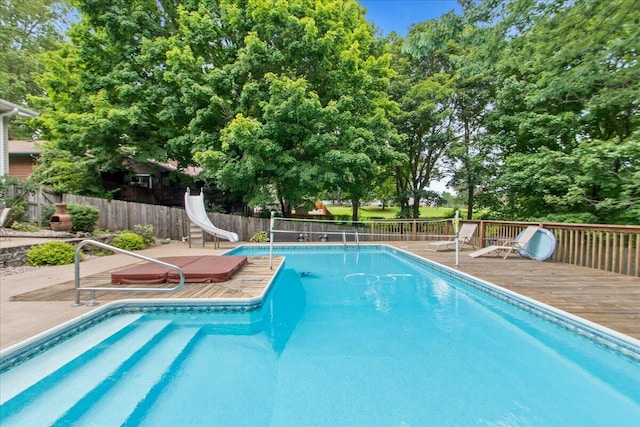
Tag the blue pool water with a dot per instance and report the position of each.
(345, 338)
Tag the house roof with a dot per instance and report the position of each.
(8, 107)
(147, 168)
(192, 171)
(24, 147)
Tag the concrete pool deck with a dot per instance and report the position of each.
(612, 300)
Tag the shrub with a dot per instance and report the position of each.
(260, 237)
(25, 226)
(575, 218)
(83, 217)
(45, 214)
(14, 194)
(147, 233)
(343, 219)
(52, 253)
(129, 241)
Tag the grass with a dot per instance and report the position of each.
(368, 212)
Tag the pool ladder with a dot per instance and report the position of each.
(118, 289)
(356, 239)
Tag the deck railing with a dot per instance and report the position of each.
(612, 248)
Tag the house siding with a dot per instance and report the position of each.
(21, 166)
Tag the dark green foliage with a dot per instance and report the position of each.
(565, 118)
(45, 214)
(14, 194)
(129, 241)
(147, 233)
(65, 172)
(573, 218)
(52, 253)
(530, 107)
(84, 217)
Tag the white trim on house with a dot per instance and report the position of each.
(8, 109)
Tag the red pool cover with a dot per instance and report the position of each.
(196, 269)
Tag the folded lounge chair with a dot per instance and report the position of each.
(465, 234)
(3, 220)
(510, 245)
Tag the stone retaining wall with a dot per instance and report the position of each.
(16, 256)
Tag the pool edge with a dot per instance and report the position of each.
(25, 349)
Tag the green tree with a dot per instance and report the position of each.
(67, 173)
(470, 155)
(28, 29)
(309, 86)
(102, 98)
(190, 80)
(567, 87)
(425, 91)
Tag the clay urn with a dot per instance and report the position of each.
(60, 220)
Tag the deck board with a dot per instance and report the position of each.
(250, 281)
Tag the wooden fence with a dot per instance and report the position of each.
(612, 248)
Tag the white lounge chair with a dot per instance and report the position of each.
(465, 234)
(510, 245)
(4, 216)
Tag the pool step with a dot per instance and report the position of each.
(147, 371)
(21, 377)
(49, 402)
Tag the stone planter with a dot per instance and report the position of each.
(60, 220)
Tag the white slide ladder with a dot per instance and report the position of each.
(194, 205)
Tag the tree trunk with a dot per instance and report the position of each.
(285, 207)
(470, 200)
(355, 205)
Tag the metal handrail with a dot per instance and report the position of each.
(118, 289)
(356, 239)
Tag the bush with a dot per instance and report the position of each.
(83, 217)
(147, 233)
(52, 253)
(129, 241)
(45, 214)
(574, 218)
(25, 226)
(260, 237)
(14, 194)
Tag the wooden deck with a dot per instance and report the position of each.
(609, 299)
(249, 282)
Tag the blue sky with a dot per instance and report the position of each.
(398, 15)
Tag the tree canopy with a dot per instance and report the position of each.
(530, 107)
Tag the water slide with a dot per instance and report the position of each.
(194, 205)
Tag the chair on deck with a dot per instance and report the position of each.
(4, 216)
(520, 243)
(465, 234)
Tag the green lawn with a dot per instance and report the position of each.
(366, 212)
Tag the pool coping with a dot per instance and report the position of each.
(601, 335)
(23, 350)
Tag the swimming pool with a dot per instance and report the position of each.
(345, 337)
